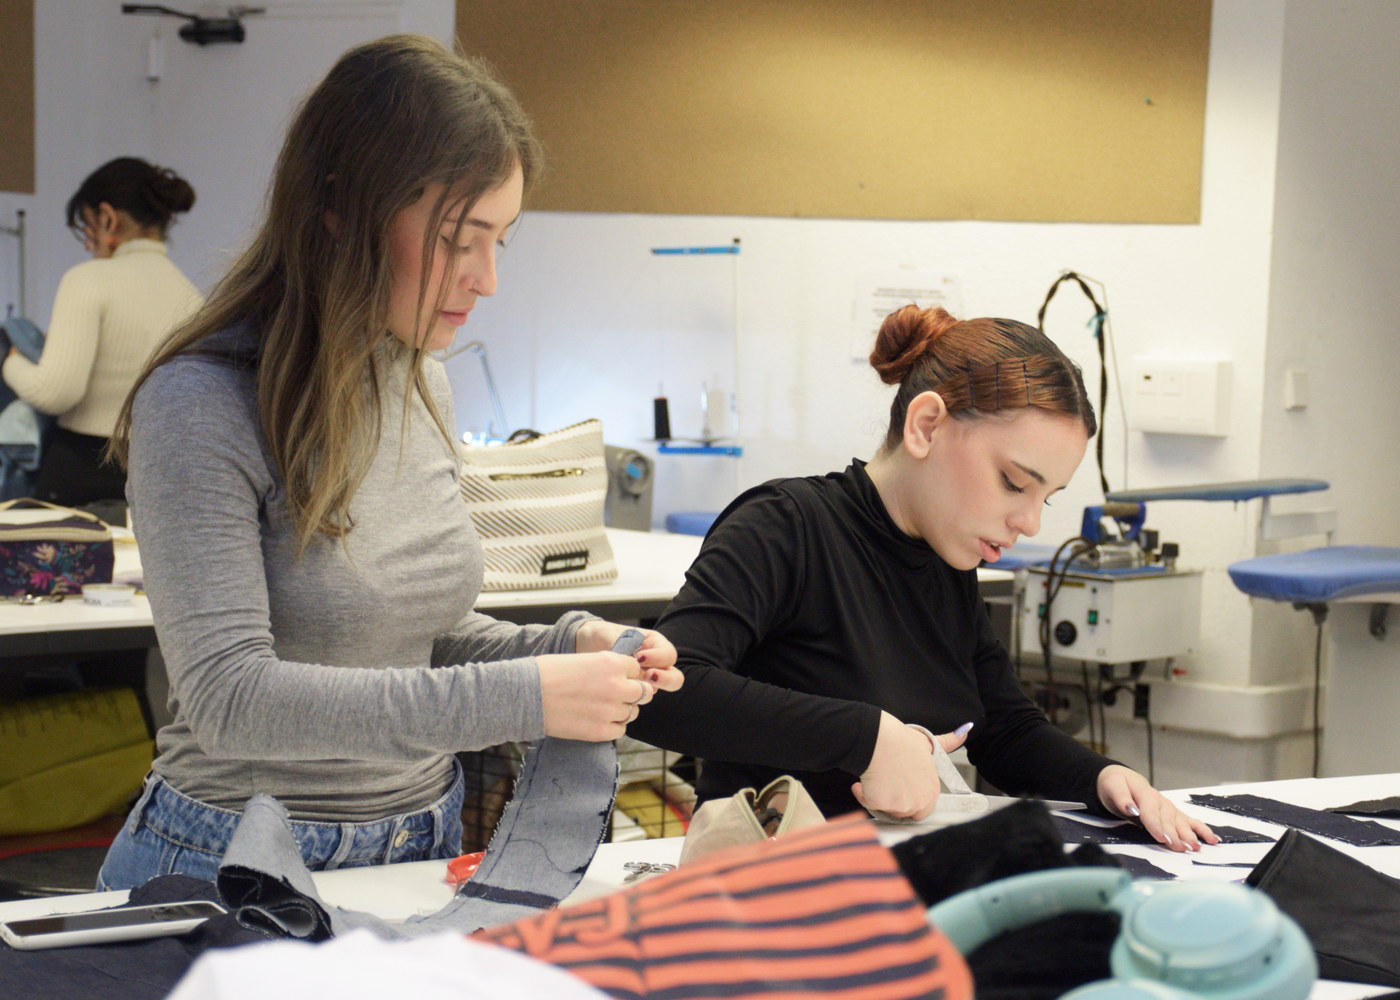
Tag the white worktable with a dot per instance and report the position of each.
(396, 892)
(651, 568)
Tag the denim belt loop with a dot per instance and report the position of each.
(343, 848)
(134, 817)
(439, 827)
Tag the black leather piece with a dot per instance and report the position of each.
(1020, 838)
(1350, 911)
(1357, 832)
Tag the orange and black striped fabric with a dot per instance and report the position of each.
(823, 912)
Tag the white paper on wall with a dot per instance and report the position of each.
(883, 288)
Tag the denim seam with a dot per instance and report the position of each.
(180, 843)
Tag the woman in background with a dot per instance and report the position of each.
(826, 617)
(310, 564)
(108, 317)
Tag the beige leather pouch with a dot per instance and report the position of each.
(748, 817)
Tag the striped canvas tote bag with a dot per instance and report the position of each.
(537, 501)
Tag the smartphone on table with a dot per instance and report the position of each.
(122, 923)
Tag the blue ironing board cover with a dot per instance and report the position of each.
(691, 522)
(1320, 575)
(1248, 489)
(1023, 554)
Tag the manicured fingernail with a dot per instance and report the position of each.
(962, 730)
(1134, 811)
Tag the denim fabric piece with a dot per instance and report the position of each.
(1356, 832)
(131, 970)
(1083, 833)
(22, 427)
(1142, 868)
(1387, 808)
(23, 336)
(22, 431)
(547, 836)
(168, 832)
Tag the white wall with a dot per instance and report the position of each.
(580, 327)
(1335, 296)
(1335, 288)
(215, 117)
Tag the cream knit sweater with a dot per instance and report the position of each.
(108, 318)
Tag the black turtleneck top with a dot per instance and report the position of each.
(806, 613)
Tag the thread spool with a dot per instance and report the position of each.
(661, 419)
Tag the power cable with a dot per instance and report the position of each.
(1098, 320)
(1051, 590)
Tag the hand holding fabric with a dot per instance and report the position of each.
(593, 696)
(656, 654)
(902, 780)
(1126, 793)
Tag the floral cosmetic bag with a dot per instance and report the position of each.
(45, 549)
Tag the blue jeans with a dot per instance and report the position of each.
(168, 832)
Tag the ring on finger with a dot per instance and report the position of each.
(640, 696)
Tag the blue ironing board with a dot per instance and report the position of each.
(1249, 489)
(691, 522)
(1023, 554)
(1320, 575)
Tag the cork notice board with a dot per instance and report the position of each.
(1040, 110)
(17, 96)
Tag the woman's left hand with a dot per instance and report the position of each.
(657, 653)
(1126, 793)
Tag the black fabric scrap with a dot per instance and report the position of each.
(1082, 833)
(1350, 911)
(1045, 959)
(1388, 808)
(1141, 867)
(1020, 838)
(129, 970)
(1357, 832)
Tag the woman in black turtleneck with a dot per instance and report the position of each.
(826, 615)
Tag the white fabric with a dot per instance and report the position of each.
(360, 965)
(108, 318)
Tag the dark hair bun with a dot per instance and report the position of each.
(168, 192)
(906, 336)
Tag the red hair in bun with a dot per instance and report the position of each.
(978, 366)
(904, 337)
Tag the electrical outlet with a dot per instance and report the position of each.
(1142, 704)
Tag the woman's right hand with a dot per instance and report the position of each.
(593, 696)
(901, 780)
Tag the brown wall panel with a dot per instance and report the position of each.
(17, 96)
(1040, 110)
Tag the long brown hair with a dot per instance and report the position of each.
(391, 118)
(978, 366)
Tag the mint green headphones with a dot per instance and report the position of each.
(1178, 941)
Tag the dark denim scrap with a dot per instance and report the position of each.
(546, 838)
